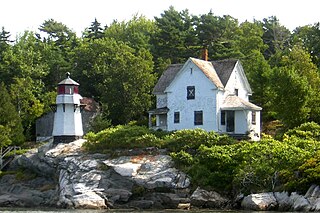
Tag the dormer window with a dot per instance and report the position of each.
(191, 92)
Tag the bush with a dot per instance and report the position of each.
(217, 162)
(182, 158)
(121, 137)
(192, 139)
(310, 130)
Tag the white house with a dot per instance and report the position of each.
(212, 95)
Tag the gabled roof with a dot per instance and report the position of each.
(224, 69)
(233, 102)
(217, 71)
(207, 68)
(166, 78)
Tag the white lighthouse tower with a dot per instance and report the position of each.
(67, 125)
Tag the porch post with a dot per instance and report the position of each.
(150, 120)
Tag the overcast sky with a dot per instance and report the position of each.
(20, 15)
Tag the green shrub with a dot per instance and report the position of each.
(182, 158)
(220, 163)
(310, 130)
(192, 139)
(121, 137)
(306, 175)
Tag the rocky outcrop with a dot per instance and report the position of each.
(80, 180)
(259, 202)
(281, 201)
(208, 199)
(64, 176)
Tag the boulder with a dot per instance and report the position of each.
(88, 200)
(283, 200)
(259, 202)
(207, 199)
(141, 204)
(150, 171)
(299, 203)
(313, 196)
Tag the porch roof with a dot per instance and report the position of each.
(159, 111)
(233, 102)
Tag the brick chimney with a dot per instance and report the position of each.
(205, 54)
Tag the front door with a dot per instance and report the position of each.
(230, 121)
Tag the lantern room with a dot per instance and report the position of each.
(68, 86)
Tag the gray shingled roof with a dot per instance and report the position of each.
(224, 69)
(220, 77)
(208, 69)
(233, 102)
(166, 78)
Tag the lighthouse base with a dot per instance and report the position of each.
(65, 138)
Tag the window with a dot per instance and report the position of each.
(198, 118)
(223, 117)
(253, 117)
(236, 92)
(176, 118)
(191, 92)
(68, 90)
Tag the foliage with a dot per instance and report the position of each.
(175, 37)
(94, 31)
(191, 139)
(11, 130)
(121, 137)
(122, 77)
(309, 130)
(301, 78)
(118, 65)
(219, 163)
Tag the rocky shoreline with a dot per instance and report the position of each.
(64, 176)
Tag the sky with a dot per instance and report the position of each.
(16, 16)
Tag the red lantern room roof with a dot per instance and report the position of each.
(68, 81)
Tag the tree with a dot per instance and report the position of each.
(58, 51)
(219, 35)
(28, 68)
(275, 35)
(4, 48)
(309, 37)
(175, 37)
(255, 65)
(11, 130)
(297, 101)
(94, 31)
(116, 75)
(136, 33)
(57, 32)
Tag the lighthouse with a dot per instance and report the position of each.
(67, 125)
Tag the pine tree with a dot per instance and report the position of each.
(11, 130)
(94, 31)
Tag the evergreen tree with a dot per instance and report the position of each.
(276, 36)
(219, 35)
(175, 37)
(11, 131)
(94, 31)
